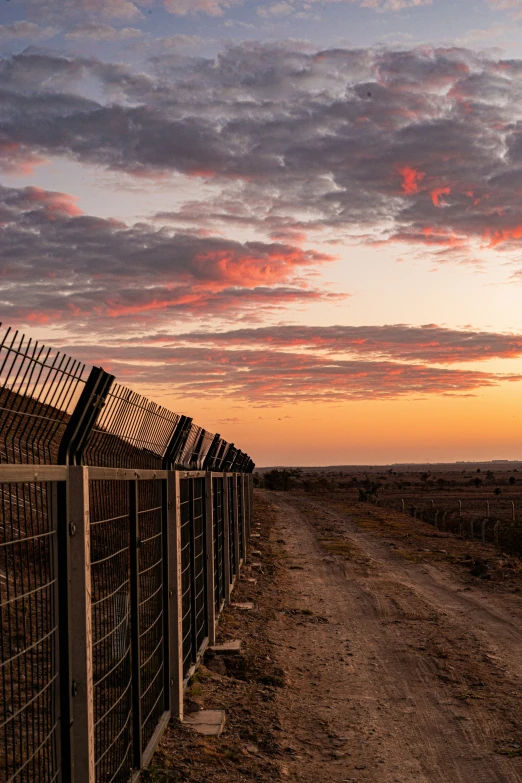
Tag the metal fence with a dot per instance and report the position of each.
(123, 527)
(475, 518)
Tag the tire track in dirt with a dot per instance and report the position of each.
(389, 680)
(497, 622)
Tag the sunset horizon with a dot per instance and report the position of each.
(297, 222)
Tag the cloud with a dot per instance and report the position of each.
(422, 147)
(268, 377)
(210, 7)
(513, 7)
(271, 365)
(384, 5)
(132, 9)
(103, 32)
(24, 29)
(60, 265)
(63, 10)
(17, 159)
(399, 342)
(276, 9)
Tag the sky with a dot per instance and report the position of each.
(298, 222)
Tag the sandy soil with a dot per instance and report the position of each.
(372, 654)
(416, 674)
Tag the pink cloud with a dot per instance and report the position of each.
(411, 179)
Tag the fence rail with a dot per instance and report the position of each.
(123, 527)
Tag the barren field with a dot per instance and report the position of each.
(379, 649)
(477, 500)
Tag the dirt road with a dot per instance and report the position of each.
(397, 668)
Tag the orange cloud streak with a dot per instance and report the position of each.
(54, 203)
(497, 236)
(437, 193)
(411, 179)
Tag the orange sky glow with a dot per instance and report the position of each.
(310, 247)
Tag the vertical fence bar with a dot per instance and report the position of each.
(250, 479)
(209, 558)
(193, 586)
(135, 623)
(62, 546)
(246, 495)
(53, 511)
(236, 525)
(226, 540)
(242, 520)
(81, 625)
(165, 548)
(175, 609)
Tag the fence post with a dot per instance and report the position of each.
(241, 497)
(246, 495)
(137, 754)
(226, 539)
(175, 596)
(78, 519)
(236, 525)
(209, 559)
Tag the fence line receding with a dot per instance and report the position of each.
(123, 527)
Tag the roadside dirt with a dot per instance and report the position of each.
(416, 674)
(373, 654)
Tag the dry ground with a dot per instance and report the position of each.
(373, 654)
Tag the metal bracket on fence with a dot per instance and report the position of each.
(194, 459)
(208, 462)
(229, 458)
(236, 465)
(84, 416)
(220, 457)
(177, 442)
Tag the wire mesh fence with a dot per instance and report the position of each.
(240, 516)
(38, 391)
(150, 608)
(219, 542)
(131, 432)
(57, 415)
(232, 528)
(29, 666)
(490, 521)
(111, 646)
